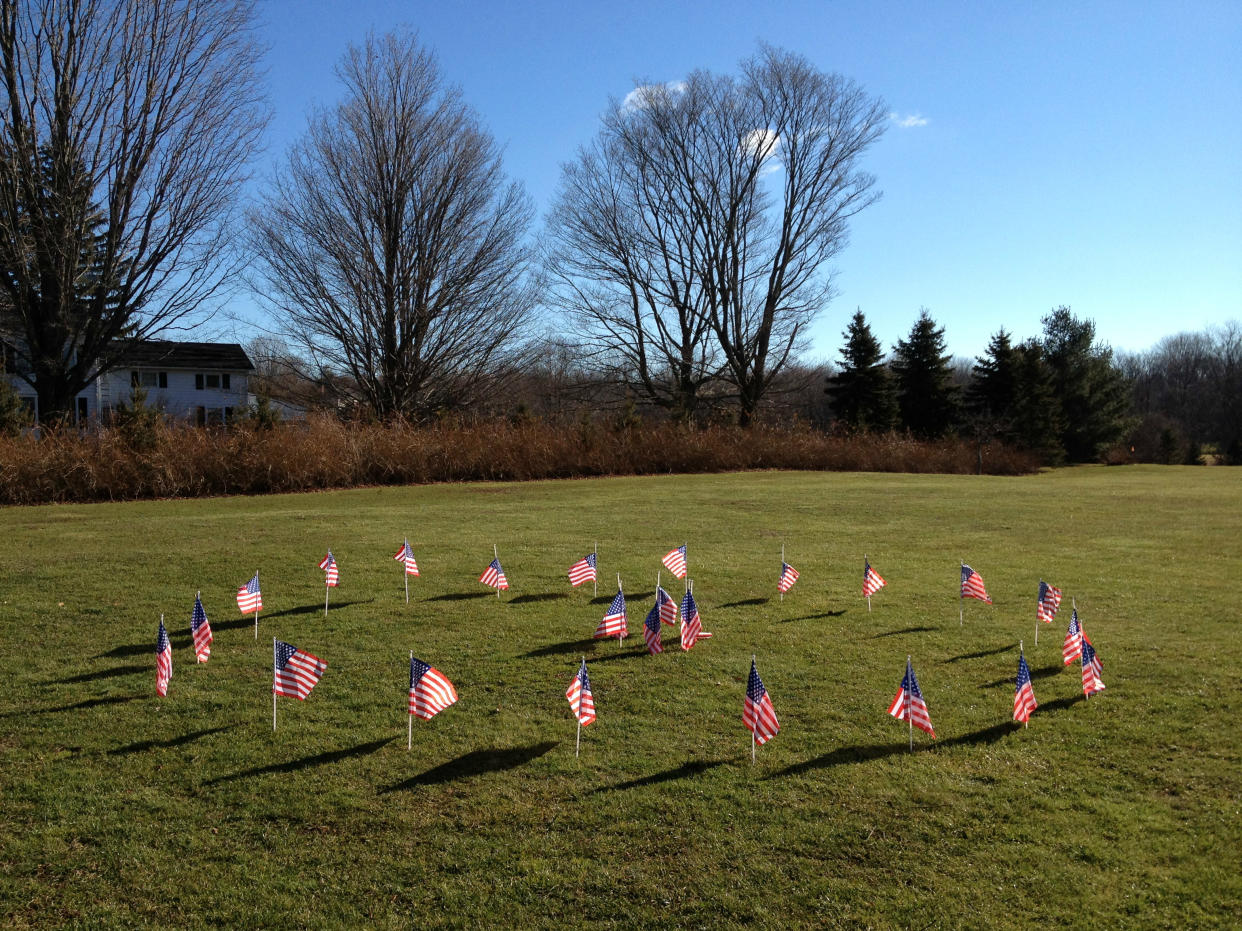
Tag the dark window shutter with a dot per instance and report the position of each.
(224, 380)
(163, 379)
(198, 381)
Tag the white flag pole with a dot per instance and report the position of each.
(326, 589)
(620, 636)
(752, 730)
(273, 685)
(409, 740)
(782, 569)
(865, 580)
(405, 570)
(1021, 653)
(961, 600)
(1041, 585)
(496, 553)
(909, 702)
(256, 623)
(578, 712)
(595, 581)
(1082, 639)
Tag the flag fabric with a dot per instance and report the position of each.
(972, 585)
(249, 598)
(757, 712)
(1049, 601)
(430, 691)
(163, 661)
(494, 576)
(675, 561)
(691, 623)
(1072, 648)
(613, 624)
(581, 701)
(651, 630)
(872, 582)
(1024, 695)
(296, 671)
(667, 606)
(201, 631)
(406, 555)
(1091, 669)
(583, 570)
(789, 575)
(328, 565)
(909, 704)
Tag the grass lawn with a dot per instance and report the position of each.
(121, 808)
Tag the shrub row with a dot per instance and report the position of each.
(178, 461)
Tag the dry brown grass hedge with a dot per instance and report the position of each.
(179, 461)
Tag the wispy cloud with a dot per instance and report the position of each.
(909, 121)
(639, 96)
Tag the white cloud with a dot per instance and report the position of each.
(638, 96)
(909, 121)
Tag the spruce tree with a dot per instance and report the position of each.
(926, 395)
(1036, 422)
(862, 392)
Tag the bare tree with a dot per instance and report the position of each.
(127, 128)
(699, 227)
(391, 244)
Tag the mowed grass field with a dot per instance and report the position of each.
(121, 809)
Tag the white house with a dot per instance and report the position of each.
(203, 382)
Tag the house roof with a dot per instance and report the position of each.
(158, 353)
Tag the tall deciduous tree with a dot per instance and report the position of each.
(127, 128)
(926, 395)
(862, 391)
(391, 244)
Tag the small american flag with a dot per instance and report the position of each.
(872, 582)
(789, 575)
(614, 624)
(1072, 648)
(909, 704)
(406, 555)
(583, 570)
(675, 561)
(328, 565)
(1024, 695)
(163, 661)
(1049, 601)
(972, 585)
(1091, 669)
(581, 701)
(651, 630)
(494, 576)
(691, 624)
(430, 691)
(296, 671)
(667, 606)
(201, 631)
(249, 598)
(757, 712)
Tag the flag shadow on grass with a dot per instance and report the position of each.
(1043, 672)
(904, 630)
(142, 745)
(746, 603)
(137, 649)
(556, 649)
(530, 599)
(76, 706)
(306, 762)
(629, 596)
(462, 596)
(684, 771)
(980, 654)
(843, 755)
(301, 609)
(109, 673)
(813, 617)
(474, 763)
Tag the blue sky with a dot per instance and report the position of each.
(1040, 154)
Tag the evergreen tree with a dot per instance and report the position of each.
(1036, 415)
(926, 395)
(993, 387)
(862, 392)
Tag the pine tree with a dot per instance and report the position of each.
(1036, 422)
(926, 396)
(993, 386)
(862, 392)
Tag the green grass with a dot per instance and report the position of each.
(122, 809)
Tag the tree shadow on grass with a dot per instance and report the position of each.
(844, 755)
(746, 603)
(306, 762)
(904, 630)
(109, 673)
(462, 596)
(530, 599)
(684, 771)
(1043, 672)
(980, 654)
(813, 617)
(309, 609)
(474, 763)
(142, 745)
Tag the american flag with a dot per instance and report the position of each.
(1091, 669)
(1024, 695)
(579, 694)
(667, 606)
(430, 691)
(972, 585)
(163, 661)
(494, 576)
(201, 631)
(613, 624)
(328, 565)
(691, 624)
(757, 712)
(296, 671)
(909, 704)
(651, 629)
(583, 570)
(789, 575)
(1049, 601)
(406, 555)
(675, 561)
(1072, 648)
(249, 598)
(872, 582)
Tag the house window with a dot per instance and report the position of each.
(148, 379)
(210, 380)
(224, 380)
